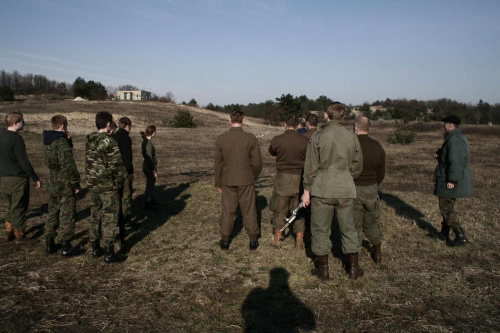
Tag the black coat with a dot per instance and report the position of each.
(124, 141)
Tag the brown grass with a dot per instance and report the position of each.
(177, 279)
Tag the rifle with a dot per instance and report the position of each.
(292, 217)
(261, 135)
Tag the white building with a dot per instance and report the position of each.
(133, 95)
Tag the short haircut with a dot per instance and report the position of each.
(237, 116)
(292, 121)
(312, 119)
(57, 121)
(301, 122)
(113, 126)
(102, 118)
(124, 122)
(363, 123)
(12, 118)
(335, 110)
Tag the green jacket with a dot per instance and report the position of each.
(454, 166)
(64, 177)
(104, 167)
(333, 160)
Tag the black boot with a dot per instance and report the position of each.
(96, 249)
(444, 234)
(111, 257)
(70, 251)
(224, 245)
(321, 268)
(254, 245)
(460, 238)
(50, 245)
(354, 270)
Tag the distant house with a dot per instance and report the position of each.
(133, 95)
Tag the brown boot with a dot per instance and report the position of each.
(278, 235)
(354, 270)
(21, 238)
(299, 240)
(376, 253)
(9, 232)
(321, 268)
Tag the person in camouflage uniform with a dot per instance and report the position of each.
(64, 183)
(104, 172)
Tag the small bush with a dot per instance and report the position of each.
(183, 119)
(401, 135)
(6, 94)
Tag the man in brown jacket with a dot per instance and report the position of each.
(311, 125)
(366, 206)
(238, 163)
(290, 151)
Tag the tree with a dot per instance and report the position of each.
(183, 119)
(193, 102)
(169, 96)
(80, 87)
(6, 93)
(127, 87)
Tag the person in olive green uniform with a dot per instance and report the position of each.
(63, 185)
(238, 163)
(453, 179)
(366, 206)
(149, 167)
(105, 172)
(290, 151)
(311, 125)
(15, 174)
(333, 160)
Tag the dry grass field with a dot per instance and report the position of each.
(176, 279)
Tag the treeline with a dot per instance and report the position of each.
(32, 84)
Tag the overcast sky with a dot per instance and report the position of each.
(233, 51)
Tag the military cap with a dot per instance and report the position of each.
(451, 119)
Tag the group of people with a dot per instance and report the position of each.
(331, 171)
(109, 176)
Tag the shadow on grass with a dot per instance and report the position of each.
(405, 210)
(170, 204)
(276, 309)
(261, 203)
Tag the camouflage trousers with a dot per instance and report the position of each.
(16, 191)
(447, 209)
(104, 211)
(366, 211)
(61, 214)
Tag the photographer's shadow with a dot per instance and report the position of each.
(276, 309)
(170, 204)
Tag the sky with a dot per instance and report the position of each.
(235, 51)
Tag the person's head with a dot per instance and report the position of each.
(149, 132)
(362, 125)
(113, 127)
(311, 121)
(301, 123)
(291, 122)
(125, 123)
(236, 117)
(450, 123)
(103, 120)
(335, 110)
(14, 120)
(59, 123)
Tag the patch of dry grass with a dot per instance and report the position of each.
(177, 279)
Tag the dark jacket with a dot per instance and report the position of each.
(13, 158)
(454, 166)
(373, 162)
(149, 154)
(290, 151)
(124, 141)
(238, 160)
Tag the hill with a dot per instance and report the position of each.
(177, 279)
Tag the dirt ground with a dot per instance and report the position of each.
(176, 278)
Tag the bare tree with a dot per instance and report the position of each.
(169, 96)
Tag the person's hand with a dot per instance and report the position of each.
(306, 198)
(219, 189)
(68, 135)
(450, 186)
(131, 177)
(38, 184)
(155, 174)
(436, 156)
(76, 191)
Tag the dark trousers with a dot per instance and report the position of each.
(16, 191)
(149, 193)
(244, 196)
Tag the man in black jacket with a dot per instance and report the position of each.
(122, 137)
(15, 171)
